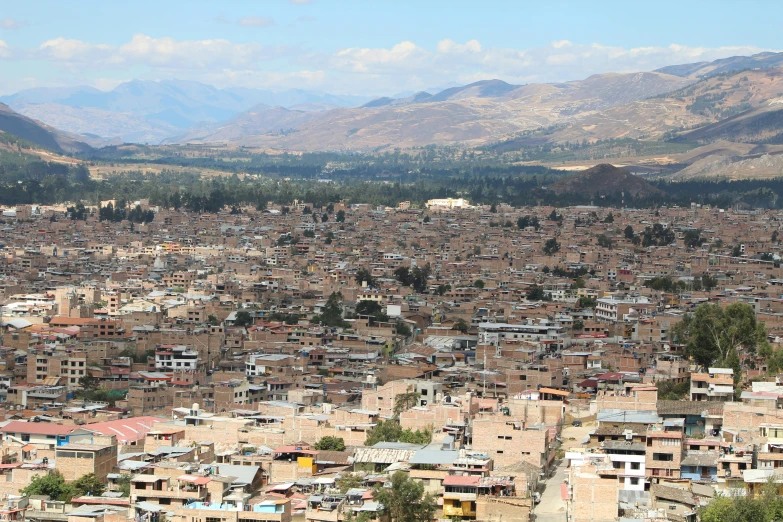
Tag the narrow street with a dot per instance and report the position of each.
(552, 507)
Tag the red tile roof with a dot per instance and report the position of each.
(126, 430)
(460, 480)
(38, 428)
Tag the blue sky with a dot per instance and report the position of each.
(365, 47)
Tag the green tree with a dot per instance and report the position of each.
(330, 444)
(88, 382)
(713, 335)
(340, 216)
(405, 500)
(364, 275)
(332, 314)
(551, 246)
(243, 318)
(405, 401)
(692, 238)
(479, 283)
(628, 232)
(536, 293)
(402, 329)
(609, 218)
(124, 483)
(605, 241)
(52, 485)
(579, 324)
(384, 431)
(373, 309)
(348, 481)
(461, 325)
(89, 484)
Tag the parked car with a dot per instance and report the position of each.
(576, 423)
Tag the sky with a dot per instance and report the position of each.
(366, 47)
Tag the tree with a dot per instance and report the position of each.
(461, 325)
(766, 507)
(52, 485)
(124, 482)
(402, 329)
(579, 282)
(373, 309)
(605, 241)
(609, 218)
(420, 277)
(404, 500)
(551, 246)
(391, 431)
(88, 382)
(403, 275)
(324, 217)
(364, 275)
(405, 401)
(628, 232)
(775, 236)
(692, 238)
(340, 216)
(89, 484)
(426, 219)
(479, 283)
(579, 324)
(348, 481)
(330, 444)
(243, 318)
(536, 293)
(528, 221)
(212, 320)
(332, 314)
(714, 335)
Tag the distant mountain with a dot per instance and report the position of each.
(604, 179)
(470, 115)
(759, 124)
(482, 89)
(725, 65)
(36, 132)
(88, 121)
(259, 120)
(161, 109)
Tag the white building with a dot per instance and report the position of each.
(543, 331)
(176, 358)
(447, 204)
(612, 309)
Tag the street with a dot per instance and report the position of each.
(552, 507)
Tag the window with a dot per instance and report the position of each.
(663, 457)
(636, 465)
(634, 481)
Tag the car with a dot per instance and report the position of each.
(536, 497)
(576, 423)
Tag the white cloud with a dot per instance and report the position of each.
(409, 66)
(403, 66)
(5, 51)
(256, 21)
(158, 53)
(9, 24)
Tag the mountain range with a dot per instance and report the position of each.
(733, 100)
(150, 111)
